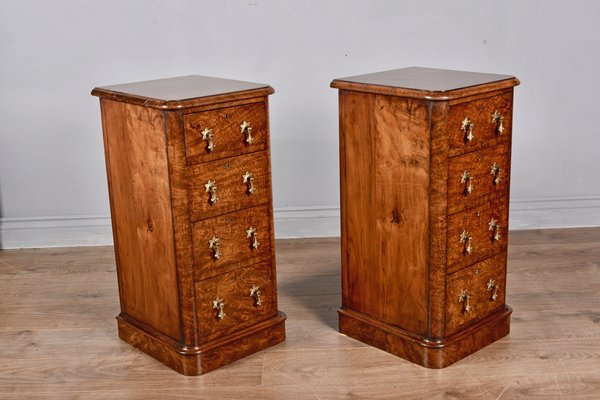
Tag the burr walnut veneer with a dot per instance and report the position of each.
(425, 171)
(190, 192)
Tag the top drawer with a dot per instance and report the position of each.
(225, 132)
(480, 123)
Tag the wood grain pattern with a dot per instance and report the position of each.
(236, 248)
(232, 192)
(386, 232)
(418, 203)
(141, 213)
(430, 354)
(438, 205)
(179, 179)
(58, 339)
(401, 209)
(206, 358)
(182, 92)
(478, 164)
(161, 233)
(425, 83)
(474, 280)
(241, 309)
(476, 222)
(225, 124)
(485, 132)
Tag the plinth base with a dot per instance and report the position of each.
(422, 351)
(208, 356)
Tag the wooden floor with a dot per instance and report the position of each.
(58, 336)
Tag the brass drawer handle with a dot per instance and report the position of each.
(466, 239)
(498, 119)
(496, 171)
(467, 180)
(211, 187)
(492, 287)
(218, 304)
(247, 130)
(494, 227)
(215, 245)
(467, 127)
(248, 179)
(464, 297)
(255, 294)
(252, 234)
(207, 134)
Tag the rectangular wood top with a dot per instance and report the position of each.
(182, 92)
(428, 83)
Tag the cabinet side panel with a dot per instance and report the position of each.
(401, 209)
(360, 276)
(386, 184)
(141, 211)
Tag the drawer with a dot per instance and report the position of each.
(475, 175)
(225, 132)
(475, 292)
(477, 233)
(231, 241)
(224, 304)
(486, 121)
(223, 186)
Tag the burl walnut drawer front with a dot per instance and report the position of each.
(232, 184)
(474, 175)
(225, 132)
(475, 292)
(479, 123)
(234, 300)
(477, 233)
(231, 241)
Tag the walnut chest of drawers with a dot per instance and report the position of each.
(190, 193)
(425, 171)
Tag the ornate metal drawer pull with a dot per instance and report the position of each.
(496, 171)
(467, 127)
(492, 287)
(248, 179)
(211, 187)
(467, 180)
(247, 130)
(215, 245)
(464, 297)
(498, 119)
(495, 228)
(255, 293)
(218, 304)
(465, 239)
(252, 234)
(207, 134)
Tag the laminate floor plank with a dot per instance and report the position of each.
(58, 336)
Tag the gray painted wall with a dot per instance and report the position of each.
(52, 177)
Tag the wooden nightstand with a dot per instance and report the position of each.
(425, 173)
(189, 179)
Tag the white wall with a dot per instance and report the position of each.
(52, 177)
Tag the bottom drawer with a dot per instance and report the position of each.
(475, 292)
(235, 300)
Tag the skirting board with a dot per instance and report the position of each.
(290, 222)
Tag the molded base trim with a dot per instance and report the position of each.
(290, 222)
(429, 353)
(209, 356)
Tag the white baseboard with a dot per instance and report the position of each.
(290, 222)
(554, 212)
(64, 231)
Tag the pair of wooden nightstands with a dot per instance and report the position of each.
(425, 161)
